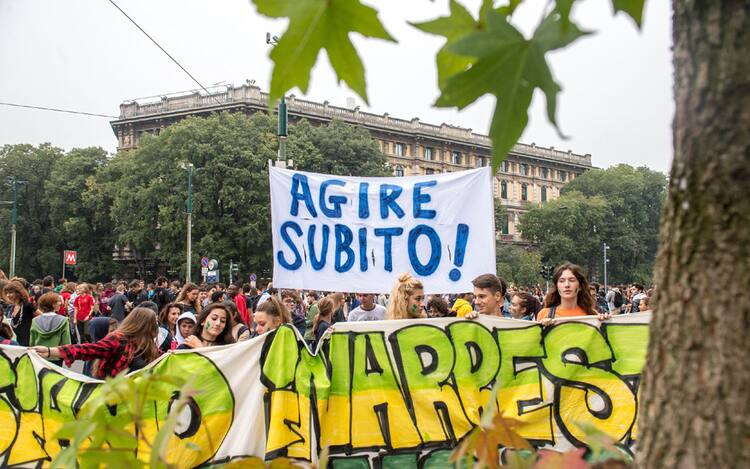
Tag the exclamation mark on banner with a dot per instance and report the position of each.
(462, 236)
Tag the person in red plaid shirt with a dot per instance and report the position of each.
(130, 347)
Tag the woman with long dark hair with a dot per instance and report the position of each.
(130, 347)
(168, 317)
(20, 310)
(568, 295)
(188, 298)
(214, 328)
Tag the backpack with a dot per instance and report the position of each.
(617, 300)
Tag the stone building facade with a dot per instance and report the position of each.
(531, 174)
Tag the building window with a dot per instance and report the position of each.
(400, 150)
(456, 157)
(385, 147)
(428, 153)
(429, 171)
(544, 194)
(563, 175)
(504, 224)
(399, 170)
(503, 190)
(545, 173)
(504, 167)
(524, 192)
(524, 169)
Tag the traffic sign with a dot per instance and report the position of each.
(70, 257)
(253, 277)
(212, 276)
(204, 271)
(213, 264)
(204, 261)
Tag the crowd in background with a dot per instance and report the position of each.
(120, 326)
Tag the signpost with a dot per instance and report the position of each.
(253, 279)
(204, 267)
(69, 258)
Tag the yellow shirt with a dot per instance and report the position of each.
(461, 307)
(561, 313)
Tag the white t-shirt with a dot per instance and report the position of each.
(375, 314)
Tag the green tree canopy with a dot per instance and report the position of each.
(37, 237)
(619, 206)
(519, 266)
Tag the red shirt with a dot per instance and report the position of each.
(65, 296)
(85, 304)
(241, 303)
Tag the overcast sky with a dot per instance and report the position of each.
(85, 55)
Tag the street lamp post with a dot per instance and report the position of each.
(606, 260)
(282, 132)
(190, 168)
(14, 183)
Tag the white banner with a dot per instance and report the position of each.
(379, 394)
(330, 231)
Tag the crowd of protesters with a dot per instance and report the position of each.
(122, 326)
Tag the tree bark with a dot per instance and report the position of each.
(696, 385)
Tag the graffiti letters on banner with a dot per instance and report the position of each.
(380, 394)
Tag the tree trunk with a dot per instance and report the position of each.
(696, 385)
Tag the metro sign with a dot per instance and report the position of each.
(70, 257)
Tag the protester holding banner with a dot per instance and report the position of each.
(489, 295)
(406, 299)
(270, 315)
(214, 328)
(130, 347)
(188, 298)
(19, 309)
(568, 295)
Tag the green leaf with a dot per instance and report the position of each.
(502, 52)
(633, 8)
(316, 25)
(509, 67)
(459, 24)
(552, 33)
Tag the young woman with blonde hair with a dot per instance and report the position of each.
(406, 299)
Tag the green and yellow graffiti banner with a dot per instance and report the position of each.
(377, 394)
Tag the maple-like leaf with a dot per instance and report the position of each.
(633, 8)
(315, 25)
(453, 27)
(510, 67)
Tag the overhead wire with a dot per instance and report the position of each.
(163, 50)
(67, 111)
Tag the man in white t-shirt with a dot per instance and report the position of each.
(367, 309)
